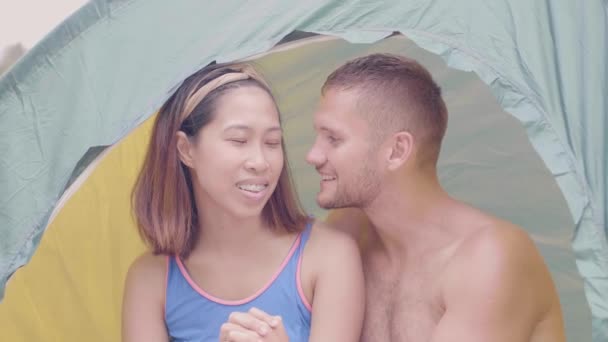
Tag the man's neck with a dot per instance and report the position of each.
(409, 218)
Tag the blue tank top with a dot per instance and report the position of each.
(191, 314)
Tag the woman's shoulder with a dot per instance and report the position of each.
(149, 270)
(149, 263)
(337, 278)
(144, 299)
(327, 242)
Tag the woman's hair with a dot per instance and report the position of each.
(163, 198)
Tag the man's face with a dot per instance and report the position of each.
(343, 153)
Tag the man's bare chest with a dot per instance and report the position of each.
(401, 308)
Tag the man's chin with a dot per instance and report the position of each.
(327, 204)
(324, 203)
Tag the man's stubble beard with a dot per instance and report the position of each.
(364, 189)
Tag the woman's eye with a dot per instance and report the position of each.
(238, 141)
(273, 143)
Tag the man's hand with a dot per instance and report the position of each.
(253, 326)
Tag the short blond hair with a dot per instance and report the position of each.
(396, 94)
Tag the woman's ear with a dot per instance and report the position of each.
(184, 148)
(400, 150)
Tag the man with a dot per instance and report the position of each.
(436, 269)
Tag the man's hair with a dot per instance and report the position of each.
(395, 94)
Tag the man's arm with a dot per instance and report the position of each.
(497, 288)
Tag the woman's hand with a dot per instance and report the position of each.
(253, 326)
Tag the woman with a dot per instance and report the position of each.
(232, 256)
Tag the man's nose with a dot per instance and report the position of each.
(315, 155)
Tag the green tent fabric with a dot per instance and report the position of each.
(109, 67)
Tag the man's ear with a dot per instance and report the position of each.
(402, 145)
(184, 148)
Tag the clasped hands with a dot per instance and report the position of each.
(253, 326)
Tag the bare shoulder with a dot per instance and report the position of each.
(497, 281)
(328, 248)
(498, 239)
(148, 273)
(330, 258)
(149, 265)
(337, 291)
(498, 243)
(144, 298)
(500, 261)
(326, 240)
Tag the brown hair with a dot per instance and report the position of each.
(396, 94)
(163, 200)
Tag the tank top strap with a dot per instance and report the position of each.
(305, 234)
(303, 303)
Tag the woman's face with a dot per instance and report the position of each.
(237, 158)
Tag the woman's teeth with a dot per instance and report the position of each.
(252, 187)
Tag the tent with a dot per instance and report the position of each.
(525, 83)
